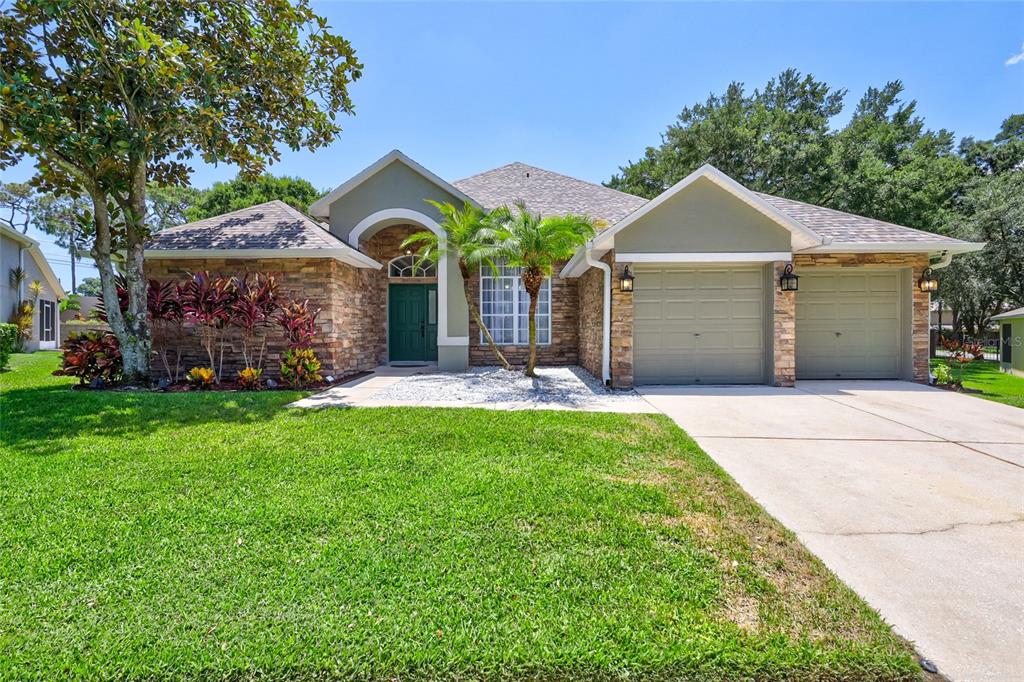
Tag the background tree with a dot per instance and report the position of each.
(535, 244)
(242, 193)
(68, 219)
(90, 286)
(169, 206)
(16, 201)
(108, 96)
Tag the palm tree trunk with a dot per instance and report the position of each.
(474, 311)
(533, 280)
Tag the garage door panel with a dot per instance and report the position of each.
(848, 325)
(699, 325)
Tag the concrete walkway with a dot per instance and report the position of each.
(912, 495)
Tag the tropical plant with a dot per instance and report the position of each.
(72, 302)
(960, 353)
(109, 97)
(8, 342)
(469, 238)
(91, 355)
(35, 288)
(943, 374)
(255, 301)
(206, 301)
(535, 244)
(249, 379)
(201, 378)
(17, 276)
(300, 367)
(22, 319)
(298, 322)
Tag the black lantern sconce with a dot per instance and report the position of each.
(788, 281)
(928, 281)
(626, 281)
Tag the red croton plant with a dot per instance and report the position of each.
(92, 357)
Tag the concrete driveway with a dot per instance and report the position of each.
(912, 495)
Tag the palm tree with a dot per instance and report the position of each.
(535, 244)
(469, 238)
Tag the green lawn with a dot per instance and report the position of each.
(995, 384)
(222, 536)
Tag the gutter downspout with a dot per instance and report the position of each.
(606, 317)
(945, 259)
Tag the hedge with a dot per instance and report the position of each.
(8, 341)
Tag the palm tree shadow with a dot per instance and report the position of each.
(34, 421)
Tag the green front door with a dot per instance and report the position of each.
(412, 322)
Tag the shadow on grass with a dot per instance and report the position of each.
(36, 419)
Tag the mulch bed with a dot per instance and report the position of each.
(955, 388)
(227, 386)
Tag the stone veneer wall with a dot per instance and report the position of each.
(916, 261)
(341, 292)
(382, 246)
(564, 346)
(784, 328)
(622, 329)
(590, 287)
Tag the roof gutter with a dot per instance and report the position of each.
(606, 316)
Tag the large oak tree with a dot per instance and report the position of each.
(109, 95)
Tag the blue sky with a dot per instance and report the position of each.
(582, 88)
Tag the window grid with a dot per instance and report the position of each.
(411, 266)
(505, 305)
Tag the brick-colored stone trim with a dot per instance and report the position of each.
(622, 328)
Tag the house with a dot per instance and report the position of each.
(21, 251)
(684, 288)
(1011, 340)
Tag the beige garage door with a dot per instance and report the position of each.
(848, 325)
(698, 325)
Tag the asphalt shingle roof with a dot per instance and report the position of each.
(847, 227)
(271, 225)
(548, 193)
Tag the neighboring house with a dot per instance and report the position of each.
(1011, 340)
(19, 250)
(705, 306)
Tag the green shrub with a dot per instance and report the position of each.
(9, 335)
(300, 367)
(943, 374)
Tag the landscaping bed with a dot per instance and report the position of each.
(986, 380)
(221, 536)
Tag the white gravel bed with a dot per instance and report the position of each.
(570, 387)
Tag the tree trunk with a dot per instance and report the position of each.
(533, 280)
(474, 311)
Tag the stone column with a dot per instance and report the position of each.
(622, 329)
(784, 330)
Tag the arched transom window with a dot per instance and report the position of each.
(411, 266)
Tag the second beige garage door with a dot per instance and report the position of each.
(698, 325)
(848, 325)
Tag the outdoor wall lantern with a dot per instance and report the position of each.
(789, 281)
(626, 281)
(928, 281)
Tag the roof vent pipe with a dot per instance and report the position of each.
(606, 316)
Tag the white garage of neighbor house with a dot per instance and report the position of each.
(21, 251)
(683, 288)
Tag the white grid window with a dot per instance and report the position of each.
(411, 266)
(505, 305)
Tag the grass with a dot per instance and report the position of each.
(147, 535)
(994, 384)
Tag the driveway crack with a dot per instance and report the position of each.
(927, 531)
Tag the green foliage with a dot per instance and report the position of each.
(202, 378)
(243, 192)
(90, 286)
(994, 384)
(254, 541)
(9, 335)
(169, 206)
(249, 379)
(91, 355)
(943, 374)
(110, 96)
(72, 302)
(300, 367)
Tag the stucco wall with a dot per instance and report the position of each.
(703, 218)
(394, 186)
(1016, 364)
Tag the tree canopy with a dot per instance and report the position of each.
(243, 192)
(883, 163)
(108, 96)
